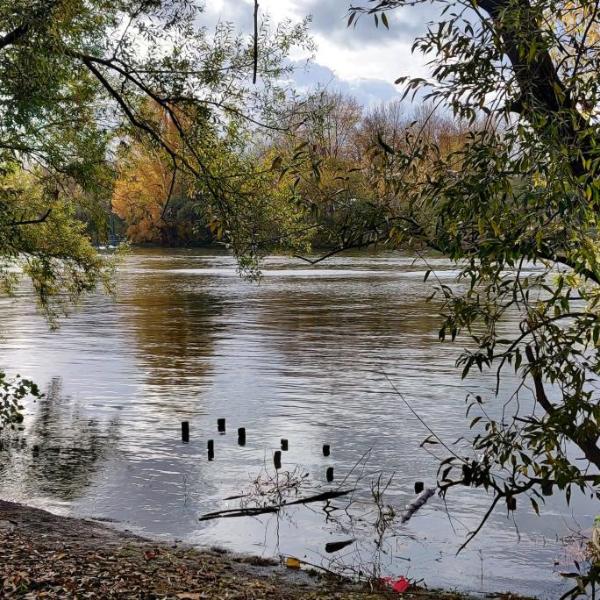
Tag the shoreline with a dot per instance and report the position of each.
(43, 555)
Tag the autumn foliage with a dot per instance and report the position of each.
(153, 199)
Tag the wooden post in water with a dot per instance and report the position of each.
(211, 449)
(467, 474)
(419, 487)
(221, 425)
(329, 474)
(284, 444)
(277, 459)
(185, 431)
(242, 436)
(326, 450)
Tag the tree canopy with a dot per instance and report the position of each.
(76, 80)
(516, 206)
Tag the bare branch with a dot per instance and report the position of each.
(481, 523)
(254, 73)
(32, 221)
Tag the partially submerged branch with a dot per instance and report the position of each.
(253, 511)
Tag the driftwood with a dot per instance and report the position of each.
(414, 506)
(253, 511)
(337, 546)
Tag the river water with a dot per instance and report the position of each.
(308, 354)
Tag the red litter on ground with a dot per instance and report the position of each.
(399, 585)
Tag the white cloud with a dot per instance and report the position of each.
(354, 55)
(387, 61)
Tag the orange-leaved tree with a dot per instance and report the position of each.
(154, 198)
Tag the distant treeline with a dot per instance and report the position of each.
(328, 151)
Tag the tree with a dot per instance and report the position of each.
(322, 154)
(523, 189)
(345, 177)
(76, 76)
(75, 79)
(149, 195)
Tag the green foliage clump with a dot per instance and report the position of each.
(43, 240)
(12, 391)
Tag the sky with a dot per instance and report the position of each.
(363, 61)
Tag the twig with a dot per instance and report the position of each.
(255, 42)
(416, 414)
(481, 524)
(314, 261)
(170, 192)
(33, 221)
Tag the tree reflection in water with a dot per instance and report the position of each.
(172, 325)
(63, 449)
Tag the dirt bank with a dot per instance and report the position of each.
(47, 556)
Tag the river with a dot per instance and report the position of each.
(308, 354)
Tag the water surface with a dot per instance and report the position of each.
(307, 354)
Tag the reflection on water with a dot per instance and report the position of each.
(173, 331)
(62, 450)
(304, 355)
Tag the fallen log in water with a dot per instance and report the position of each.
(414, 506)
(253, 511)
(319, 497)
